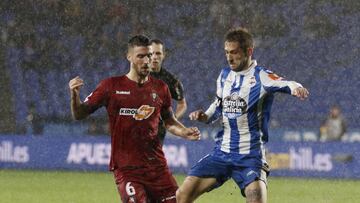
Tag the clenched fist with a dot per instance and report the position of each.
(75, 84)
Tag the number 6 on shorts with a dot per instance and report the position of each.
(130, 190)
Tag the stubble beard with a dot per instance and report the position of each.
(243, 65)
(143, 73)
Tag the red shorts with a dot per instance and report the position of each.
(146, 185)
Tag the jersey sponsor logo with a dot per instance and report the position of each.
(122, 92)
(11, 153)
(144, 112)
(234, 106)
(127, 112)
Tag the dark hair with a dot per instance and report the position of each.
(158, 41)
(139, 40)
(242, 36)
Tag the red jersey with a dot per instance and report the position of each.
(134, 112)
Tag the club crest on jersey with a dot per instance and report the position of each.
(153, 96)
(234, 106)
(142, 113)
(251, 81)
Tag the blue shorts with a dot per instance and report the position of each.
(219, 165)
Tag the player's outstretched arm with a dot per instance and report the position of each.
(78, 109)
(198, 115)
(301, 93)
(176, 128)
(192, 133)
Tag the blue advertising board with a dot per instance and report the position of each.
(294, 159)
(314, 159)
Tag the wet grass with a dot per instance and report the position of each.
(88, 187)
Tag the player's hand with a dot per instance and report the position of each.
(75, 84)
(198, 115)
(192, 133)
(301, 93)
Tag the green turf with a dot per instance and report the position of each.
(80, 187)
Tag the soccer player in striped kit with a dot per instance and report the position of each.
(245, 92)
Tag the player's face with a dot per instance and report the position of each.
(236, 57)
(157, 51)
(140, 58)
(335, 112)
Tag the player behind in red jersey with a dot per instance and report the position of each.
(135, 102)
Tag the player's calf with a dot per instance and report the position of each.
(253, 196)
(256, 192)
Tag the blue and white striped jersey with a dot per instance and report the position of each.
(244, 101)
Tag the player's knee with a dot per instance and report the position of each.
(254, 195)
(182, 196)
(179, 195)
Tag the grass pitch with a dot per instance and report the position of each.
(89, 187)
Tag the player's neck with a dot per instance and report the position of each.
(156, 70)
(248, 65)
(137, 78)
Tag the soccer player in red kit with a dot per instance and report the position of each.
(135, 102)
